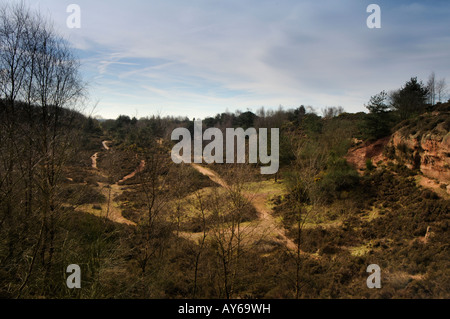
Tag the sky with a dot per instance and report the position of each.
(198, 58)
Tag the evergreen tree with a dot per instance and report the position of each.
(377, 123)
(411, 99)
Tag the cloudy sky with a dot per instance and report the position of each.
(200, 57)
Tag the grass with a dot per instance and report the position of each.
(89, 208)
(269, 187)
(326, 225)
(371, 215)
(359, 251)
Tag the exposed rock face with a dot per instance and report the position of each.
(429, 152)
(436, 157)
(423, 144)
(358, 155)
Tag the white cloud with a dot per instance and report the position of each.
(218, 54)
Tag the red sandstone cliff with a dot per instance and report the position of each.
(422, 143)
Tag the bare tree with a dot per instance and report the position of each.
(431, 85)
(332, 111)
(310, 158)
(154, 184)
(201, 207)
(230, 238)
(39, 77)
(56, 85)
(441, 89)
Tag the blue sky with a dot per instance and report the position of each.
(201, 57)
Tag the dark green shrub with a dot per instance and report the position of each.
(369, 165)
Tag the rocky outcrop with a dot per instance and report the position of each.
(422, 143)
(428, 152)
(359, 154)
(435, 159)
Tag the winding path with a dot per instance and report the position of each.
(94, 157)
(106, 147)
(132, 174)
(112, 209)
(94, 160)
(258, 202)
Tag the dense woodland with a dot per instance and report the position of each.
(174, 231)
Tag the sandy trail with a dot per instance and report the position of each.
(106, 147)
(268, 223)
(212, 175)
(94, 160)
(267, 220)
(137, 170)
(94, 157)
(112, 209)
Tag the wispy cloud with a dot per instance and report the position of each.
(204, 56)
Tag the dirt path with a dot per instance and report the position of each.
(259, 203)
(94, 157)
(137, 170)
(212, 175)
(94, 160)
(106, 147)
(267, 220)
(111, 208)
